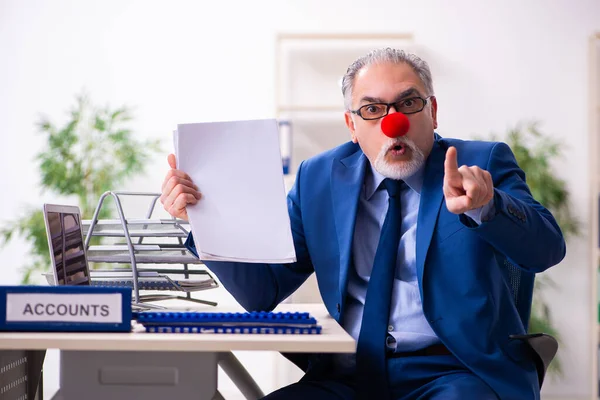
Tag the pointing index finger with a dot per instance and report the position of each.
(451, 163)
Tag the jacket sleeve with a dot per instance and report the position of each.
(520, 228)
(261, 287)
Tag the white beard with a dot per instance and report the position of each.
(399, 170)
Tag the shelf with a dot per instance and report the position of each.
(138, 228)
(137, 221)
(140, 233)
(163, 257)
(310, 67)
(136, 247)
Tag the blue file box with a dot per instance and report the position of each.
(65, 309)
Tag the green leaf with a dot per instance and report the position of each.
(92, 152)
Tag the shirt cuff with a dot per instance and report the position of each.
(482, 214)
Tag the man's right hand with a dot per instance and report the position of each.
(178, 191)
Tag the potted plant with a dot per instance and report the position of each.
(94, 151)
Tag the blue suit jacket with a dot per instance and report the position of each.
(462, 268)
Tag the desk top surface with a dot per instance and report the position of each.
(333, 338)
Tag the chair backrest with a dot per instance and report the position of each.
(520, 283)
(544, 346)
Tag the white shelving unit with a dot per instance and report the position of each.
(594, 146)
(308, 73)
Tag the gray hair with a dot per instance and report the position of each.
(390, 55)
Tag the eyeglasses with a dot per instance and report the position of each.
(412, 105)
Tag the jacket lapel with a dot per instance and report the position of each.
(346, 182)
(431, 201)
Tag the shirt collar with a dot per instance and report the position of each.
(373, 179)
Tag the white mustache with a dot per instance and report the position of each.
(403, 169)
(399, 140)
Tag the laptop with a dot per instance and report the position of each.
(66, 244)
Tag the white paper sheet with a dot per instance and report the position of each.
(242, 215)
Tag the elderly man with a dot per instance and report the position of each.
(409, 250)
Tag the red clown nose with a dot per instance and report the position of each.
(395, 125)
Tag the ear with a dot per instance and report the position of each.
(434, 106)
(350, 125)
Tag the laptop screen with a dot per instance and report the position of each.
(65, 238)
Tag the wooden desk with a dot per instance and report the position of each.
(125, 353)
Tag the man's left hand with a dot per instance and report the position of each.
(465, 188)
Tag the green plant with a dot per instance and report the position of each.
(93, 152)
(534, 153)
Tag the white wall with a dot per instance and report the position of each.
(191, 61)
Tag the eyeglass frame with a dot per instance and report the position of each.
(390, 105)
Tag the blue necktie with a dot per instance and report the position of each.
(371, 348)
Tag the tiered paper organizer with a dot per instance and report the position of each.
(150, 253)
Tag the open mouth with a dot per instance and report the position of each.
(398, 149)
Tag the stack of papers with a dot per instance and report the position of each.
(237, 166)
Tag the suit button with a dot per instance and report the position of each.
(338, 307)
(390, 328)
